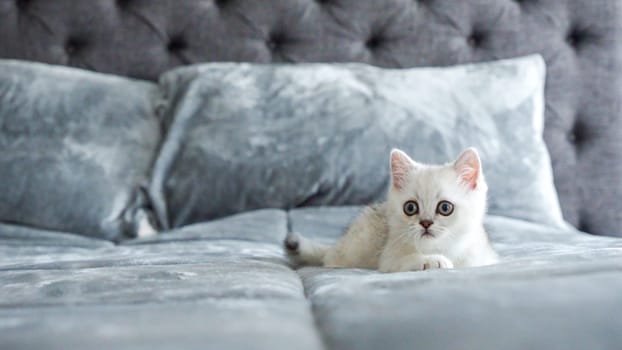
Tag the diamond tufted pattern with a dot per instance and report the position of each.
(580, 41)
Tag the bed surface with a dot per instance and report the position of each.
(228, 284)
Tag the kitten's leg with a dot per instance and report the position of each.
(305, 251)
(359, 247)
(415, 262)
(362, 243)
(353, 250)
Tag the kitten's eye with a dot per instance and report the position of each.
(445, 208)
(411, 208)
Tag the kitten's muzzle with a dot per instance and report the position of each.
(427, 234)
(426, 224)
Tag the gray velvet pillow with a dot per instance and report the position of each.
(243, 136)
(74, 148)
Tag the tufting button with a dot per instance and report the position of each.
(272, 45)
(22, 4)
(373, 42)
(220, 3)
(576, 135)
(274, 42)
(70, 49)
(475, 39)
(176, 44)
(73, 45)
(575, 37)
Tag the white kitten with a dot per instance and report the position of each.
(432, 218)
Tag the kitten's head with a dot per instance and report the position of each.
(433, 204)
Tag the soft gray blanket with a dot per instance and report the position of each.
(227, 285)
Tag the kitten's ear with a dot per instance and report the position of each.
(401, 165)
(469, 167)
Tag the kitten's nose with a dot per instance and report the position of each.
(426, 223)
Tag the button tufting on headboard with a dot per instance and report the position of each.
(73, 45)
(176, 43)
(475, 39)
(22, 4)
(580, 40)
(123, 3)
(579, 134)
(221, 3)
(276, 42)
(575, 37)
(572, 137)
(273, 43)
(373, 42)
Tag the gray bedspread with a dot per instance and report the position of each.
(227, 285)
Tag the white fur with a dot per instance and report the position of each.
(383, 237)
(145, 229)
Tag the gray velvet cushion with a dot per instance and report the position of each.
(74, 148)
(244, 136)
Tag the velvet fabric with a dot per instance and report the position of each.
(226, 284)
(579, 40)
(243, 137)
(75, 148)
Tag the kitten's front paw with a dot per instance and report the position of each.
(416, 263)
(428, 262)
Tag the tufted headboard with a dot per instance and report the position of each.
(580, 40)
